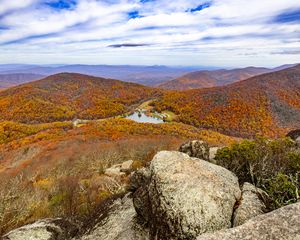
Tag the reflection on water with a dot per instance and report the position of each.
(142, 118)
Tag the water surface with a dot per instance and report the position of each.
(143, 118)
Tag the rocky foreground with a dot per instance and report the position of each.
(179, 197)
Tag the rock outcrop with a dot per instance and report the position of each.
(139, 178)
(184, 197)
(251, 204)
(120, 223)
(281, 224)
(177, 197)
(120, 170)
(47, 229)
(197, 149)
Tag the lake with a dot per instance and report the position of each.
(143, 118)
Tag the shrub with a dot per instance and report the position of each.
(271, 165)
(284, 189)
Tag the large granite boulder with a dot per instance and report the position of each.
(46, 229)
(120, 222)
(184, 197)
(196, 148)
(281, 224)
(251, 204)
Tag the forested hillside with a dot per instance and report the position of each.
(67, 95)
(268, 104)
(205, 79)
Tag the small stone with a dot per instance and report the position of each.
(126, 166)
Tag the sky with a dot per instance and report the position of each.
(225, 33)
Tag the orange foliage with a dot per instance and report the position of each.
(256, 106)
(15, 135)
(66, 96)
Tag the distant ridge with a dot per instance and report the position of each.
(214, 78)
(146, 75)
(14, 79)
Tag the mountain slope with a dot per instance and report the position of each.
(14, 79)
(214, 78)
(66, 96)
(205, 79)
(267, 104)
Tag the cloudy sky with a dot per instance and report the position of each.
(150, 32)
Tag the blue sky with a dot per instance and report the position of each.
(225, 33)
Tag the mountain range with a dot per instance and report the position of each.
(14, 79)
(213, 78)
(146, 75)
(267, 104)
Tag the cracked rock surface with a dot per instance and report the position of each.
(185, 197)
(281, 224)
(251, 204)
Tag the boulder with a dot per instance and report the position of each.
(139, 181)
(127, 166)
(251, 204)
(46, 229)
(120, 223)
(281, 224)
(184, 197)
(196, 148)
(139, 178)
(114, 171)
(119, 170)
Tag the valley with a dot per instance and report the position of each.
(149, 120)
(64, 138)
(266, 104)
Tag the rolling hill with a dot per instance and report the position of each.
(14, 79)
(267, 104)
(214, 78)
(67, 95)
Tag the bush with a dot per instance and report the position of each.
(284, 189)
(271, 165)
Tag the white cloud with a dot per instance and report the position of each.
(10, 5)
(233, 29)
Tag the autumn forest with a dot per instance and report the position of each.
(60, 134)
